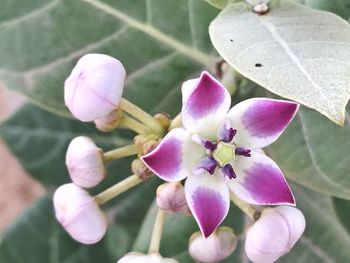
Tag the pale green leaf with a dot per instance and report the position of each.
(160, 42)
(293, 51)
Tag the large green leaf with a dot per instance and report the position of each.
(339, 7)
(342, 209)
(160, 42)
(294, 51)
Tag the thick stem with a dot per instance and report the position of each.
(121, 152)
(248, 209)
(134, 125)
(117, 189)
(141, 115)
(157, 232)
(176, 122)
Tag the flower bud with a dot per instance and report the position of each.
(84, 161)
(135, 257)
(274, 233)
(215, 248)
(140, 169)
(171, 198)
(94, 87)
(110, 121)
(149, 146)
(163, 119)
(259, 6)
(79, 214)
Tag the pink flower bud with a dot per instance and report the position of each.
(274, 234)
(140, 169)
(171, 198)
(79, 214)
(135, 257)
(110, 121)
(94, 87)
(84, 161)
(215, 248)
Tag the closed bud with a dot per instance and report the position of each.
(149, 146)
(135, 257)
(171, 198)
(215, 248)
(163, 119)
(259, 6)
(95, 86)
(140, 169)
(84, 161)
(79, 214)
(274, 234)
(109, 122)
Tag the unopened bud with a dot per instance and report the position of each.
(109, 122)
(149, 146)
(94, 87)
(259, 6)
(217, 247)
(274, 234)
(84, 161)
(79, 214)
(135, 257)
(163, 119)
(140, 169)
(171, 198)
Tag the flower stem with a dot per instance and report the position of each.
(157, 232)
(248, 209)
(176, 122)
(121, 152)
(134, 125)
(141, 115)
(117, 189)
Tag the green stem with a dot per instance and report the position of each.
(248, 209)
(134, 125)
(157, 232)
(141, 115)
(121, 152)
(117, 189)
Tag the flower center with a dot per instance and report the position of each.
(224, 153)
(221, 154)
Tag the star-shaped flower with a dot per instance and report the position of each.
(219, 150)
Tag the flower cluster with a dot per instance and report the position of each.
(215, 148)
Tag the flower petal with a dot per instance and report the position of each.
(260, 181)
(260, 121)
(175, 156)
(205, 104)
(209, 200)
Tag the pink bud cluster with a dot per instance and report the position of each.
(92, 92)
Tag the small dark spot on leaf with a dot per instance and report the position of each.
(231, 40)
(258, 65)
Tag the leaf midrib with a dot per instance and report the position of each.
(195, 54)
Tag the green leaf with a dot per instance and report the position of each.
(160, 42)
(293, 51)
(342, 209)
(339, 7)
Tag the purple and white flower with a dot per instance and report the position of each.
(218, 150)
